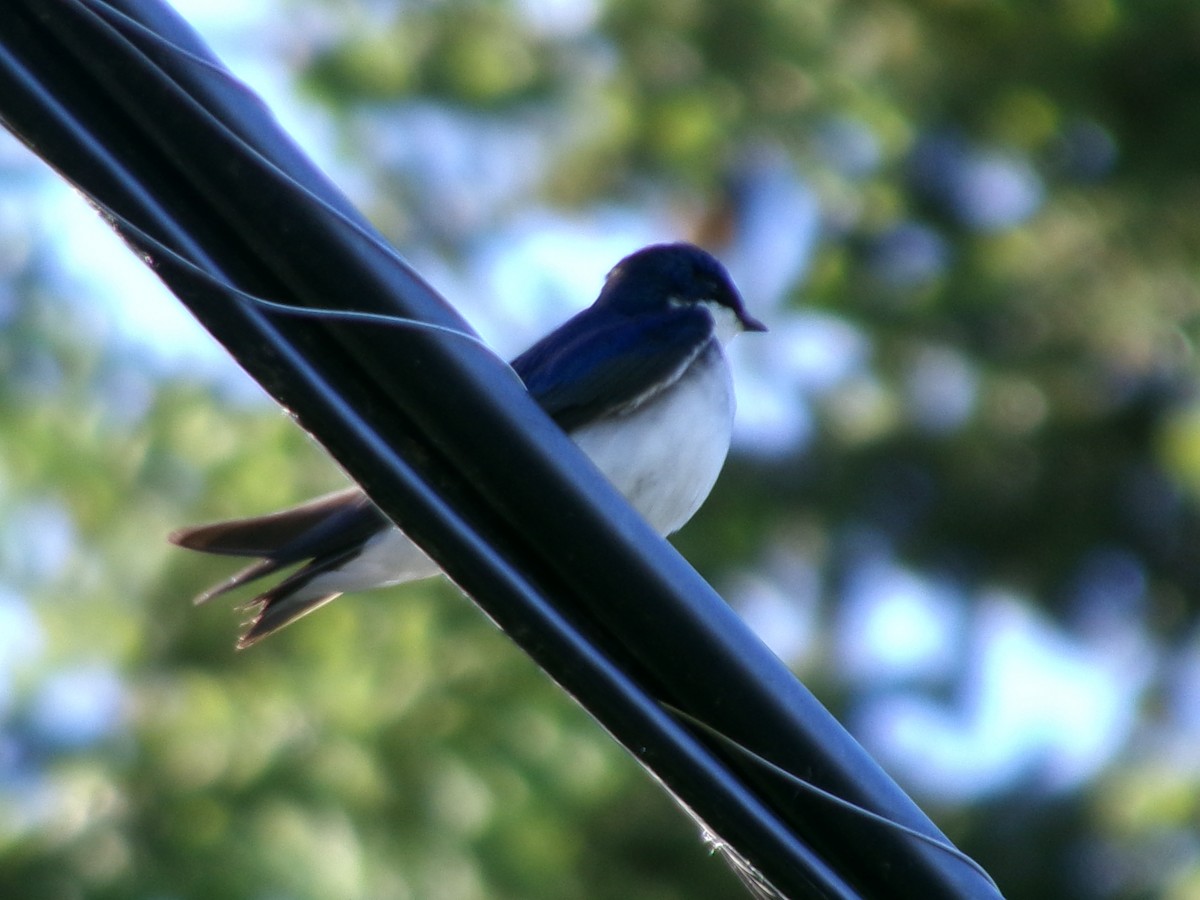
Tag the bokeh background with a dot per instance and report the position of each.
(962, 502)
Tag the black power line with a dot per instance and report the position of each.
(126, 102)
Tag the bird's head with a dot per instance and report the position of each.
(670, 275)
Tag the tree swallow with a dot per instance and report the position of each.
(638, 380)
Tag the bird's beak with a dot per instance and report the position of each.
(749, 323)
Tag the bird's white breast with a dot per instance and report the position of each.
(665, 455)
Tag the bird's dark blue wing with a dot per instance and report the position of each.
(599, 362)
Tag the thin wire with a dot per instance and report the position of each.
(373, 239)
(312, 312)
(841, 802)
(364, 317)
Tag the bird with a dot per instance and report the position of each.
(639, 380)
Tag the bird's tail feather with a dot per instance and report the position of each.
(257, 569)
(323, 534)
(271, 615)
(289, 534)
(297, 595)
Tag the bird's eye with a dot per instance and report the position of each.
(712, 291)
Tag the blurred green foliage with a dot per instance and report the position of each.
(396, 746)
